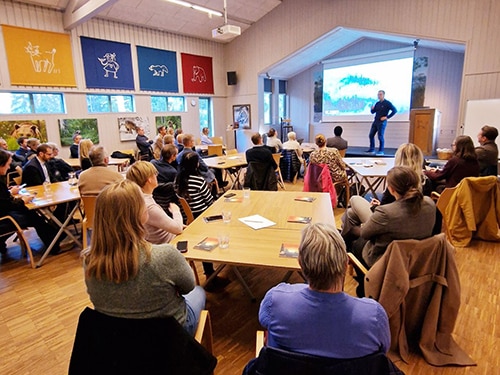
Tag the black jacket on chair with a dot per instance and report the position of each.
(261, 176)
(272, 361)
(117, 346)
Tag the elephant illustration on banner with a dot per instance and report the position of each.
(158, 70)
(198, 74)
(109, 64)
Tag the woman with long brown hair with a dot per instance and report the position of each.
(410, 216)
(128, 277)
(462, 164)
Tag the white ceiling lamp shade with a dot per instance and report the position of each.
(199, 8)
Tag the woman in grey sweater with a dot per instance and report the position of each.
(128, 277)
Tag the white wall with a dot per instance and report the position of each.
(296, 23)
(444, 79)
(34, 17)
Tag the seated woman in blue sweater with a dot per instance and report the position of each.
(319, 318)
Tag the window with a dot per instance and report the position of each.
(205, 107)
(168, 104)
(268, 96)
(110, 103)
(282, 97)
(24, 103)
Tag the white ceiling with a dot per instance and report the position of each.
(162, 15)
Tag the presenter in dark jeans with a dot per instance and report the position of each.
(383, 110)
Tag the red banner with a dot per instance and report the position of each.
(197, 74)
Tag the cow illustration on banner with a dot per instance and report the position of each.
(197, 74)
(38, 58)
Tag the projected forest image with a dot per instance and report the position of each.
(352, 90)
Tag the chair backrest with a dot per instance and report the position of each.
(214, 150)
(289, 164)
(232, 151)
(277, 158)
(279, 361)
(343, 152)
(88, 220)
(89, 209)
(261, 176)
(14, 177)
(217, 140)
(187, 210)
(109, 345)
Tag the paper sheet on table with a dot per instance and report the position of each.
(256, 221)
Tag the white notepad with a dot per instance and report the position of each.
(257, 221)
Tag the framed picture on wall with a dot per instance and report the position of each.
(241, 115)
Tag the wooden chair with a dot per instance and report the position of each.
(88, 220)
(214, 150)
(186, 209)
(13, 177)
(109, 345)
(343, 152)
(8, 221)
(203, 332)
(217, 140)
(356, 264)
(347, 189)
(277, 158)
(232, 151)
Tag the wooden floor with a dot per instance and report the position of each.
(39, 310)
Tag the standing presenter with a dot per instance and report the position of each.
(383, 110)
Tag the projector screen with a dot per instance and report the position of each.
(350, 85)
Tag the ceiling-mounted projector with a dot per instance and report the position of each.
(226, 32)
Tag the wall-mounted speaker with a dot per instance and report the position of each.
(231, 78)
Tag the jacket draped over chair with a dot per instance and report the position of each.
(318, 179)
(418, 285)
(474, 211)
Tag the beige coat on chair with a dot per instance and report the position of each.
(418, 285)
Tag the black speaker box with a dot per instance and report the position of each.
(231, 78)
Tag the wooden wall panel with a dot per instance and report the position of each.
(34, 17)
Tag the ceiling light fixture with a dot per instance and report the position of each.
(210, 12)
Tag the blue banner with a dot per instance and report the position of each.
(157, 69)
(107, 65)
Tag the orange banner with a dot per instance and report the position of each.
(38, 58)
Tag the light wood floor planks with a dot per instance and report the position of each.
(39, 309)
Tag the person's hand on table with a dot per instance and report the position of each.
(27, 198)
(14, 190)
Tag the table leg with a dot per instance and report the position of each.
(62, 228)
(243, 283)
(219, 268)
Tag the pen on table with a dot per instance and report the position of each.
(252, 221)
